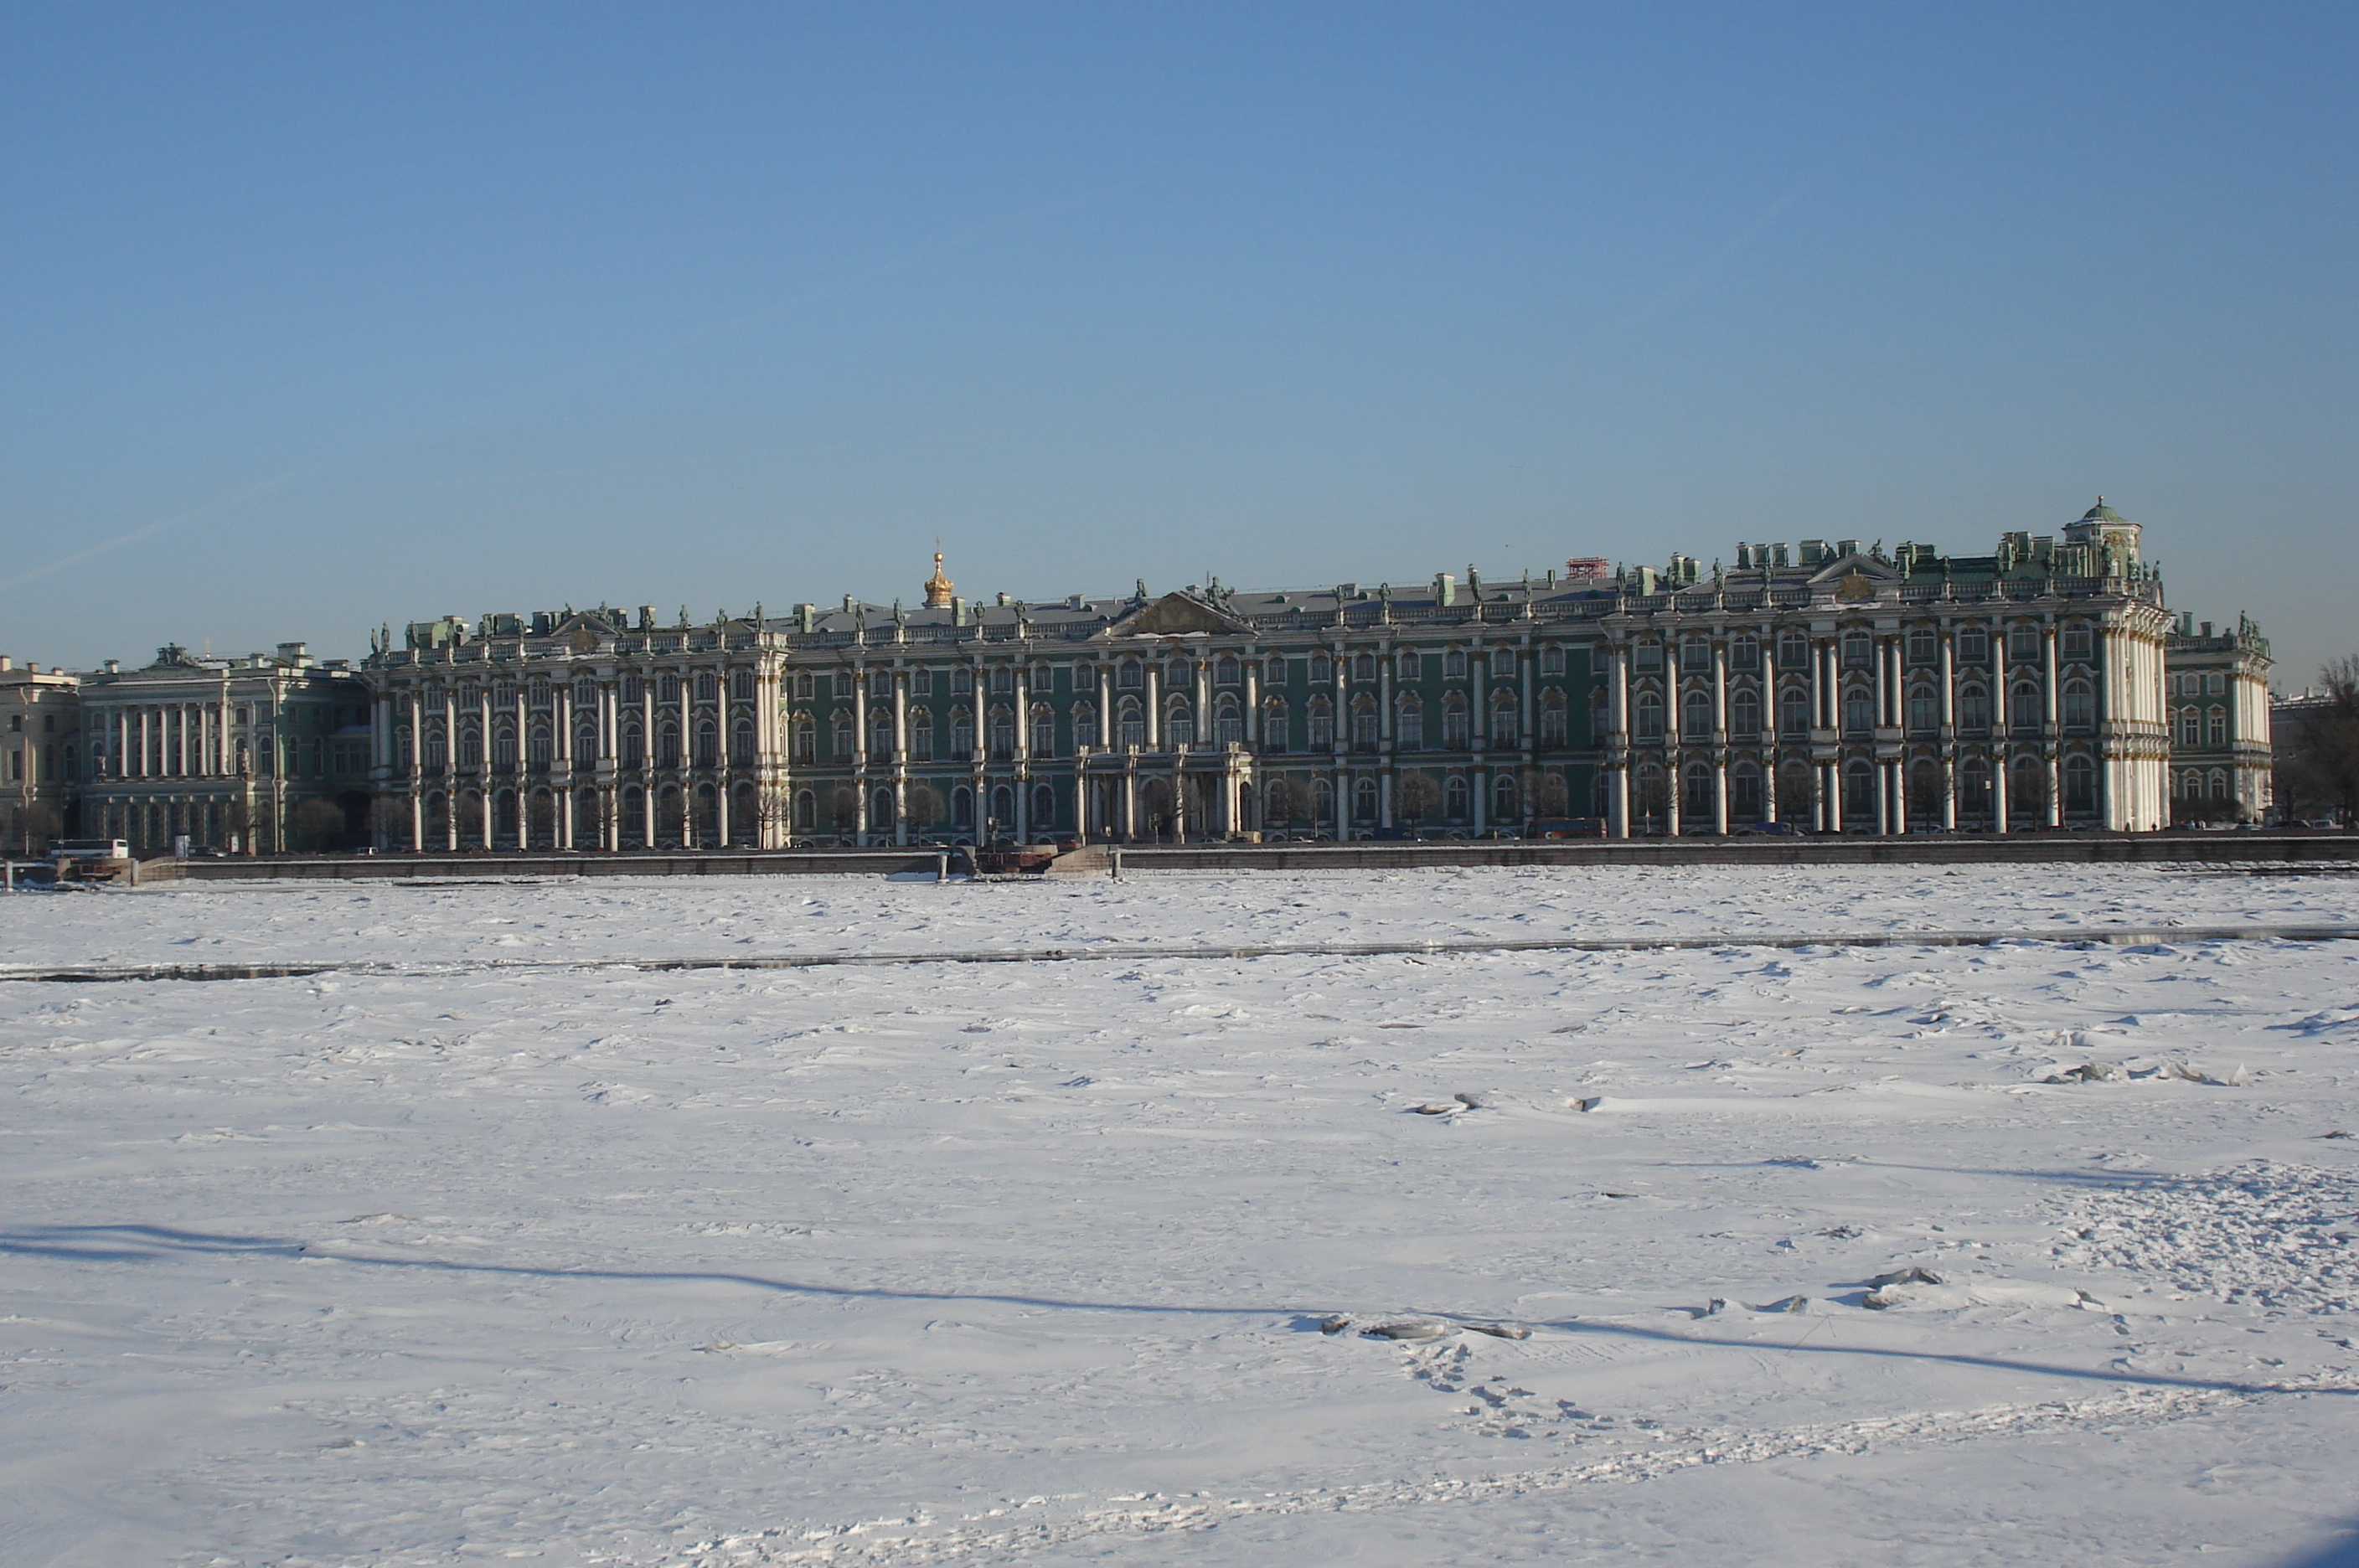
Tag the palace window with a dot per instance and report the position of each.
(1922, 645)
(2023, 707)
(1002, 681)
(1364, 667)
(536, 749)
(961, 682)
(668, 690)
(1003, 732)
(840, 735)
(585, 693)
(1457, 729)
(1454, 797)
(1924, 709)
(2080, 784)
(1322, 669)
(880, 733)
(1745, 792)
(2215, 683)
(921, 735)
(1695, 720)
(1364, 722)
(1319, 724)
(1553, 719)
(1409, 721)
(1179, 724)
(880, 686)
(1974, 645)
(2023, 642)
(1228, 723)
(471, 747)
(1695, 654)
(634, 745)
(1085, 725)
(2080, 705)
(1793, 650)
(1044, 730)
(1745, 652)
(2077, 641)
(1647, 655)
(1408, 666)
(962, 733)
(1453, 664)
(1858, 650)
(1794, 711)
(740, 743)
(1363, 799)
(1859, 793)
(2216, 727)
(1650, 716)
(1698, 806)
(1552, 658)
(1744, 713)
(668, 744)
(1274, 725)
(1226, 673)
(1973, 709)
(1858, 710)
(1132, 677)
(741, 685)
(1507, 801)
(1130, 724)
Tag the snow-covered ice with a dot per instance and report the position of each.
(1078, 1261)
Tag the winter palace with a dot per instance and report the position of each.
(1830, 686)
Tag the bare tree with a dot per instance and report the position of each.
(2027, 793)
(540, 812)
(318, 825)
(2325, 750)
(1415, 795)
(389, 821)
(1548, 794)
(1650, 795)
(237, 822)
(843, 807)
(922, 804)
(1278, 803)
(1929, 787)
(1798, 796)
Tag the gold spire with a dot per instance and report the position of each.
(938, 587)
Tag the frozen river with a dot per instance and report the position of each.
(981, 1264)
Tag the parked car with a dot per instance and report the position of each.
(1773, 830)
(1568, 827)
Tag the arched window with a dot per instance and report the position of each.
(1130, 724)
(1858, 650)
(585, 745)
(634, 745)
(438, 750)
(707, 687)
(537, 747)
(1133, 676)
(962, 809)
(1320, 725)
(1228, 723)
(1793, 649)
(1697, 806)
(1695, 719)
(2080, 705)
(1085, 725)
(2023, 707)
(880, 733)
(1178, 727)
(1504, 722)
(1364, 667)
(740, 743)
(1043, 739)
(1044, 809)
(1552, 722)
(2023, 642)
(1225, 672)
(921, 735)
(1859, 795)
(2219, 783)
(962, 733)
(2215, 727)
(741, 685)
(708, 743)
(1794, 711)
(1457, 730)
(1695, 654)
(1275, 724)
(1745, 799)
(802, 691)
(471, 747)
(1322, 669)
(2080, 784)
(1507, 801)
(1858, 710)
(806, 811)
(1552, 658)
(1453, 664)
(1002, 681)
(880, 810)
(1002, 732)
(1974, 645)
(1973, 709)
(668, 690)
(1409, 721)
(1454, 797)
(1003, 809)
(1744, 713)
(1363, 799)
(1924, 709)
(1650, 716)
(1364, 721)
(1921, 648)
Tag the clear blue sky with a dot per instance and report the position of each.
(335, 314)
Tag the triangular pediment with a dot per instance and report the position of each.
(1175, 615)
(1876, 572)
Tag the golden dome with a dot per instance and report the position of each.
(938, 587)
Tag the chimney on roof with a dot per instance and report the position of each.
(7, 663)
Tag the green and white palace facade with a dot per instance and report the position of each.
(1833, 687)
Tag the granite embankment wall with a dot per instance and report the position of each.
(2254, 849)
